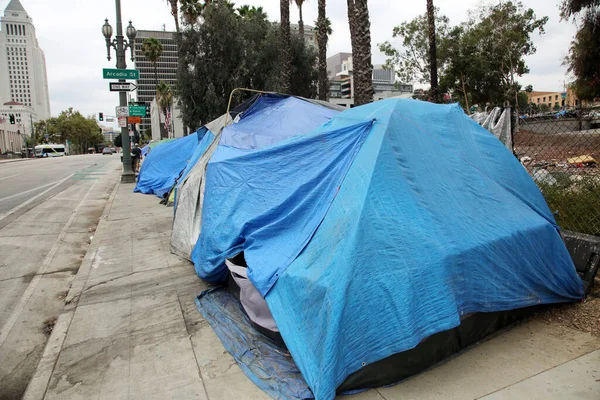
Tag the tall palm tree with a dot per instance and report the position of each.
(432, 52)
(286, 48)
(360, 38)
(174, 13)
(152, 50)
(323, 27)
(299, 4)
(164, 99)
(191, 10)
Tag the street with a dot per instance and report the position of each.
(49, 209)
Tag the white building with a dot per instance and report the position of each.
(22, 62)
(25, 116)
(310, 36)
(10, 138)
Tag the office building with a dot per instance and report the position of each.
(22, 62)
(166, 67)
(310, 36)
(11, 140)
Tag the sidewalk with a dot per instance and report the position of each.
(131, 330)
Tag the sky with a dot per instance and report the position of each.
(69, 33)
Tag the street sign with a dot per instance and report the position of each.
(122, 111)
(137, 111)
(122, 122)
(112, 73)
(121, 87)
(134, 120)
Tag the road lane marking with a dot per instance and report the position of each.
(24, 204)
(14, 315)
(10, 176)
(27, 191)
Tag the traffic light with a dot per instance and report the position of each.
(100, 116)
(11, 118)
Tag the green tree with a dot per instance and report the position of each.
(584, 53)
(360, 39)
(299, 4)
(164, 99)
(432, 52)
(152, 49)
(228, 51)
(544, 108)
(286, 44)
(323, 27)
(191, 11)
(70, 126)
(412, 62)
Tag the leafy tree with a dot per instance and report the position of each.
(286, 56)
(411, 63)
(544, 108)
(191, 11)
(70, 126)
(323, 27)
(556, 107)
(231, 50)
(118, 141)
(432, 51)
(152, 50)
(584, 53)
(360, 38)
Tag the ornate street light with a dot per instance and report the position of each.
(120, 45)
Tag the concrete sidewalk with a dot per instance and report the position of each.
(131, 329)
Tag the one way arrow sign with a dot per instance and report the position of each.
(122, 87)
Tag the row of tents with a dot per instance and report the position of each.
(382, 238)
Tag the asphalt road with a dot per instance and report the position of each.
(24, 184)
(49, 210)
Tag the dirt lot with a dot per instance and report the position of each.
(583, 316)
(556, 147)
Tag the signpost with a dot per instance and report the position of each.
(137, 111)
(121, 87)
(115, 73)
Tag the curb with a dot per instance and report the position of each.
(15, 160)
(36, 388)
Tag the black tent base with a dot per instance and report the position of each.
(432, 350)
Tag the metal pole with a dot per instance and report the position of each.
(128, 175)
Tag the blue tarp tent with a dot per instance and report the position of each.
(164, 164)
(386, 225)
(261, 121)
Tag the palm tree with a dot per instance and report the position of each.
(191, 10)
(174, 13)
(164, 99)
(323, 27)
(432, 52)
(286, 45)
(152, 50)
(299, 4)
(360, 38)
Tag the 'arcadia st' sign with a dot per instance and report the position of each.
(112, 73)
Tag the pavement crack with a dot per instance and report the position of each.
(109, 280)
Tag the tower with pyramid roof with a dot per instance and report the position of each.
(22, 62)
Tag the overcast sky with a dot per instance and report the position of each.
(69, 32)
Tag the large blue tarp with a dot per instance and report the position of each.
(272, 119)
(164, 164)
(367, 237)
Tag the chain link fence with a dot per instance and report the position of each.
(561, 151)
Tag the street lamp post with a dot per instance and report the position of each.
(120, 45)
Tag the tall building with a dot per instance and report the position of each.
(166, 67)
(22, 62)
(310, 36)
(24, 116)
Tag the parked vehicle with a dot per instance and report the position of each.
(91, 150)
(107, 150)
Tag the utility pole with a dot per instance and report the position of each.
(120, 45)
